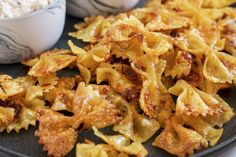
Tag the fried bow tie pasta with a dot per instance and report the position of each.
(89, 149)
(127, 76)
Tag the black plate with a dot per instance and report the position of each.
(26, 144)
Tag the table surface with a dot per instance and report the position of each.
(229, 151)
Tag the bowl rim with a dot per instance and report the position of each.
(30, 14)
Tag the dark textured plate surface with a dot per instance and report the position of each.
(26, 144)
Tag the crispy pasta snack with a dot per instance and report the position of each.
(156, 68)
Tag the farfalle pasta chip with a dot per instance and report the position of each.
(67, 83)
(93, 31)
(26, 117)
(51, 62)
(192, 41)
(121, 32)
(145, 15)
(119, 81)
(136, 126)
(33, 98)
(100, 150)
(220, 119)
(179, 140)
(157, 44)
(9, 87)
(91, 59)
(6, 116)
(164, 21)
(154, 97)
(217, 3)
(129, 49)
(193, 11)
(178, 64)
(93, 108)
(22, 118)
(122, 144)
(204, 129)
(124, 79)
(228, 33)
(229, 62)
(192, 101)
(63, 101)
(55, 131)
(215, 71)
(48, 82)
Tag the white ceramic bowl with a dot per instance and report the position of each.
(85, 8)
(27, 36)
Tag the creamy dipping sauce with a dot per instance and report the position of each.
(14, 8)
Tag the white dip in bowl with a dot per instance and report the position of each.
(25, 33)
(14, 8)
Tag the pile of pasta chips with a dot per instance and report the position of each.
(132, 67)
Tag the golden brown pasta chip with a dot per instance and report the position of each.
(215, 71)
(67, 83)
(154, 97)
(179, 64)
(120, 81)
(179, 140)
(93, 31)
(129, 49)
(9, 87)
(192, 41)
(26, 117)
(6, 115)
(167, 20)
(91, 105)
(51, 62)
(91, 59)
(122, 144)
(48, 82)
(192, 101)
(219, 120)
(22, 118)
(63, 101)
(33, 98)
(217, 3)
(229, 62)
(131, 65)
(55, 133)
(157, 44)
(100, 150)
(136, 126)
(204, 129)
